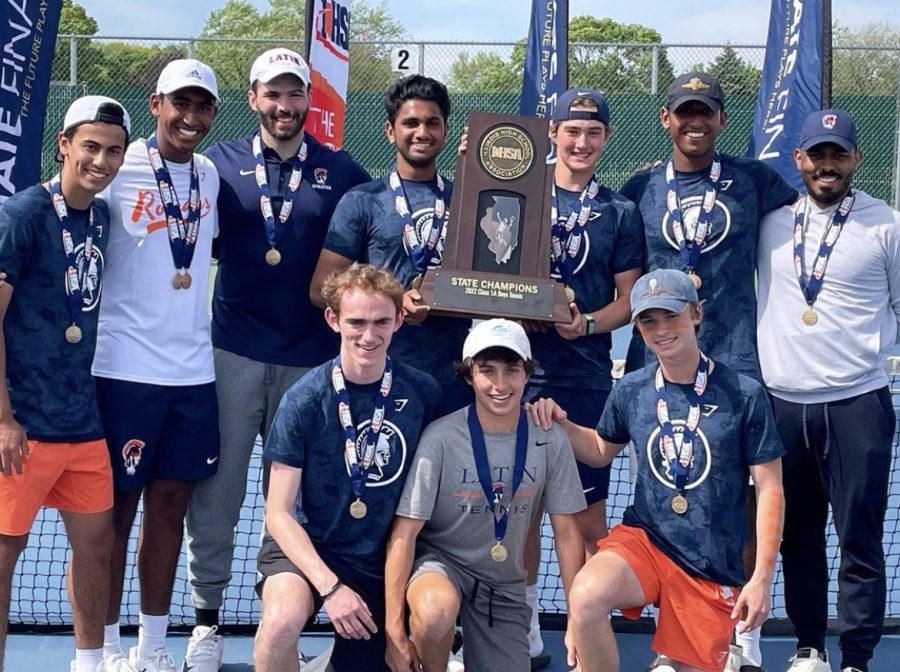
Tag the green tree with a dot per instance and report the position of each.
(866, 60)
(73, 20)
(486, 73)
(736, 76)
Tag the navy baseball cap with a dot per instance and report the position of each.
(835, 126)
(700, 86)
(663, 288)
(563, 111)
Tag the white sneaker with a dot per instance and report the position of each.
(204, 650)
(455, 661)
(662, 664)
(158, 661)
(807, 660)
(116, 663)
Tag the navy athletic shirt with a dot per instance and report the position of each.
(736, 430)
(50, 385)
(307, 434)
(612, 243)
(748, 190)
(367, 228)
(260, 311)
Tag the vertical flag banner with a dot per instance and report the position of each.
(791, 85)
(28, 32)
(546, 58)
(328, 39)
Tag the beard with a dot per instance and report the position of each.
(270, 123)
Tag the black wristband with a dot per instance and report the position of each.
(331, 591)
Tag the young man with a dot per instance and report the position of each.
(52, 453)
(340, 445)
(829, 310)
(701, 211)
(398, 222)
(279, 187)
(699, 428)
(598, 253)
(474, 489)
(154, 362)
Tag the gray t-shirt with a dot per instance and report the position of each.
(443, 488)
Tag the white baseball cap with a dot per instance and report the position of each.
(185, 73)
(497, 333)
(269, 64)
(89, 109)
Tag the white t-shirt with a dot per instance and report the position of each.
(150, 332)
(843, 355)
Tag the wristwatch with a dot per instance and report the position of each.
(590, 324)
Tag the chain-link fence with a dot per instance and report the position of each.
(488, 76)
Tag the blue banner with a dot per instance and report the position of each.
(791, 85)
(28, 34)
(546, 58)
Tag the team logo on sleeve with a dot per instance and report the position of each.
(90, 273)
(720, 226)
(701, 459)
(390, 453)
(421, 233)
(131, 454)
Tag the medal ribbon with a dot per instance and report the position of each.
(182, 232)
(360, 470)
(493, 493)
(690, 242)
(567, 237)
(76, 274)
(679, 460)
(420, 254)
(273, 230)
(812, 285)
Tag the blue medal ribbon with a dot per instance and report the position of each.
(76, 274)
(273, 229)
(690, 242)
(679, 459)
(812, 285)
(493, 492)
(567, 236)
(182, 231)
(421, 254)
(359, 469)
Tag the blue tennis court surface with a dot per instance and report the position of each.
(27, 653)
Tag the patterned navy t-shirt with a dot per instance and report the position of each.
(50, 384)
(307, 434)
(612, 243)
(748, 190)
(736, 430)
(366, 227)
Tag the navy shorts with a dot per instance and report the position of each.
(159, 432)
(348, 655)
(584, 407)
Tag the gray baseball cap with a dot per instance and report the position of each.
(663, 288)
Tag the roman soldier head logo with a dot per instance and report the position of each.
(131, 454)
(829, 121)
(390, 453)
(501, 225)
(321, 175)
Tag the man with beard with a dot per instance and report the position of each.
(829, 312)
(399, 222)
(153, 363)
(279, 187)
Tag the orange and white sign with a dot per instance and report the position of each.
(329, 62)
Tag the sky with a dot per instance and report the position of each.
(690, 21)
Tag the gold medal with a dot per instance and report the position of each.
(186, 280)
(273, 257)
(695, 279)
(570, 295)
(810, 317)
(73, 334)
(498, 553)
(176, 281)
(358, 509)
(679, 505)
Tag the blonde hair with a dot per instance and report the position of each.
(364, 277)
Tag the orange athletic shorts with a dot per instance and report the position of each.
(74, 477)
(695, 623)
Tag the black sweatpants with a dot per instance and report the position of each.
(839, 453)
